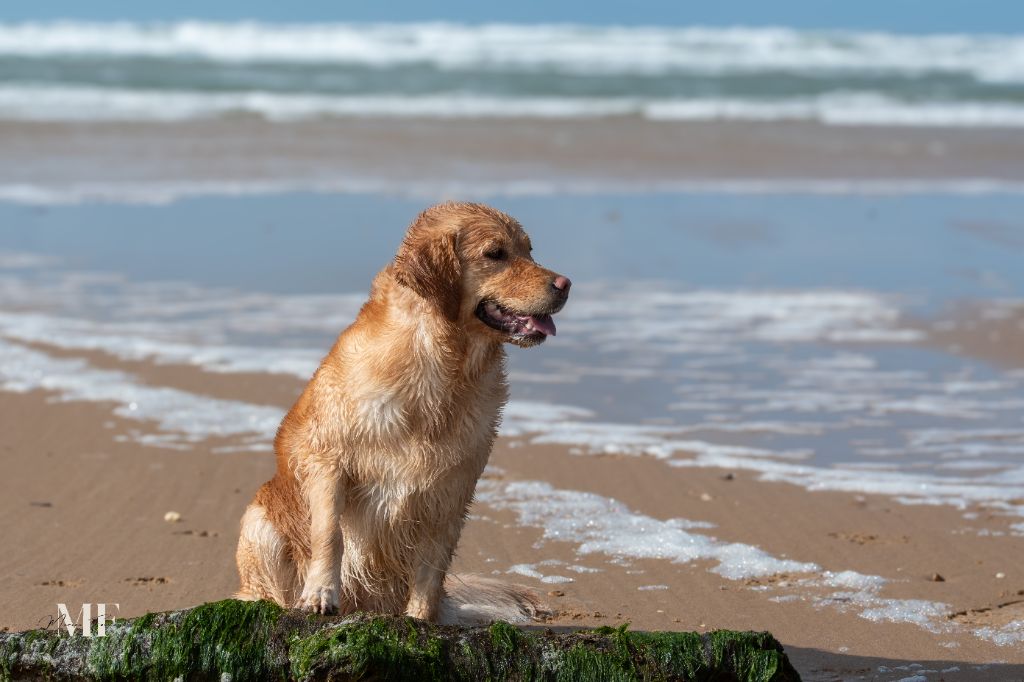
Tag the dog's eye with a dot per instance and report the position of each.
(496, 254)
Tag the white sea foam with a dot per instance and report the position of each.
(925, 614)
(852, 579)
(712, 330)
(600, 525)
(532, 571)
(143, 342)
(14, 260)
(841, 109)
(596, 524)
(83, 103)
(192, 417)
(940, 438)
(687, 320)
(167, 340)
(566, 48)
(1011, 634)
(501, 70)
(42, 102)
(162, 192)
(714, 323)
(860, 592)
(907, 487)
(176, 322)
(543, 423)
(547, 423)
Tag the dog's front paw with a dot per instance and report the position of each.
(421, 609)
(422, 614)
(319, 599)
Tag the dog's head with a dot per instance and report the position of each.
(474, 264)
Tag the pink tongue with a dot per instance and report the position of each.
(543, 323)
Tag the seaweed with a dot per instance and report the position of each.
(243, 641)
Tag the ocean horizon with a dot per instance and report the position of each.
(128, 71)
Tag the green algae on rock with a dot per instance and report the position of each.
(244, 641)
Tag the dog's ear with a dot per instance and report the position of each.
(428, 263)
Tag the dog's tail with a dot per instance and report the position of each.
(472, 600)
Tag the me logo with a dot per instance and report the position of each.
(64, 618)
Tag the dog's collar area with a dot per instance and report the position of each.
(515, 324)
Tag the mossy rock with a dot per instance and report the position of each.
(242, 641)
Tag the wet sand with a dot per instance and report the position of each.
(982, 330)
(510, 155)
(90, 526)
(85, 489)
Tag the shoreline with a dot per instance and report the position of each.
(159, 162)
(161, 566)
(640, 472)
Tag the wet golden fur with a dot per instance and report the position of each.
(378, 459)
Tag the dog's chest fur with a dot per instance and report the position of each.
(415, 414)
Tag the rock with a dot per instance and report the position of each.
(936, 578)
(261, 641)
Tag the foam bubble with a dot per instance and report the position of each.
(531, 571)
(852, 579)
(1011, 634)
(862, 592)
(927, 615)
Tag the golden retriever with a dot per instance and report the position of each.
(378, 459)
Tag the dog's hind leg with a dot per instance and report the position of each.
(265, 564)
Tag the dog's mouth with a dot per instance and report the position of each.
(517, 325)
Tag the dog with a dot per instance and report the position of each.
(378, 459)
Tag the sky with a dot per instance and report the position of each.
(914, 16)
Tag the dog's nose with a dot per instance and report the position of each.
(562, 284)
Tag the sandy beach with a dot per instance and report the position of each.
(91, 527)
(830, 456)
(785, 394)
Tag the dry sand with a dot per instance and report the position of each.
(86, 524)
